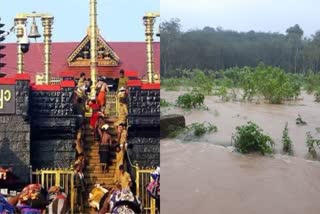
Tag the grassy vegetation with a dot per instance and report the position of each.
(174, 84)
(271, 83)
(250, 138)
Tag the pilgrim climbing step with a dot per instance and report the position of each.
(93, 171)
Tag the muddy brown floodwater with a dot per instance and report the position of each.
(203, 177)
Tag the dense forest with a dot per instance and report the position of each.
(214, 49)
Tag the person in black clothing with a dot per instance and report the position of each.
(78, 109)
(80, 185)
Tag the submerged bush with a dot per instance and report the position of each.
(275, 85)
(190, 100)
(312, 82)
(174, 131)
(286, 141)
(248, 83)
(317, 95)
(200, 129)
(249, 138)
(202, 83)
(194, 129)
(164, 103)
(312, 144)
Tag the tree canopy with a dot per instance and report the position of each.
(216, 48)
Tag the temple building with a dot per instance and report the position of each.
(39, 128)
(74, 57)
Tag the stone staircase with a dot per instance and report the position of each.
(93, 172)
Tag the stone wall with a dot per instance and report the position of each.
(144, 123)
(54, 102)
(15, 132)
(143, 107)
(53, 126)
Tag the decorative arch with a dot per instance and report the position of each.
(81, 55)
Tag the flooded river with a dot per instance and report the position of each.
(203, 177)
(271, 118)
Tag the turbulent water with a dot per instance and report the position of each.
(201, 177)
(271, 118)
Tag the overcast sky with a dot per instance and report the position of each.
(118, 20)
(245, 15)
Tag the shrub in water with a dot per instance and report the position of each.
(194, 129)
(190, 100)
(200, 129)
(249, 138)
(311, 144)
(174, 131)
(202, 83)
(164, 103)
(317, 95)
(286, 141)
(312, 82)
(223, 93)
(275, 85)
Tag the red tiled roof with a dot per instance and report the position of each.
(132, 57)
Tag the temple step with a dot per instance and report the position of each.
(94, 173)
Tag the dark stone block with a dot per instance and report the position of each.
(144, 120)
(13, 137)
(144, 141)
(53, 160)
(59, 145)
(17, 157)
(144, 150)
(171, 122)
(14, 128)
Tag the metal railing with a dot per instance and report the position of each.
(57, 177)
(143, 178)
